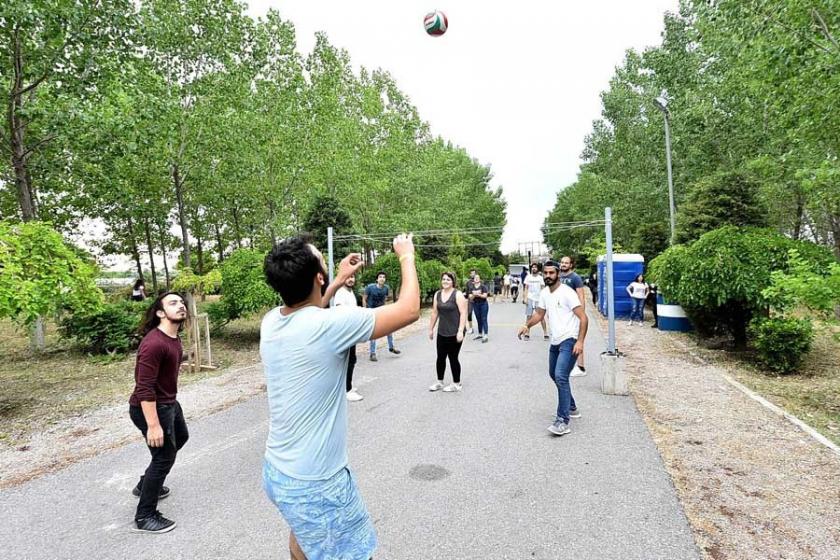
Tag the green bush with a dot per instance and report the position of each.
(720, 279)
(782, 342)
(243, 286)
(110, 329)
(429, 273)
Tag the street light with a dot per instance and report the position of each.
(662, 104)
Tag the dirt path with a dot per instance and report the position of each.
(753, 485)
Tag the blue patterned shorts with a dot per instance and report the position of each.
(328, 517)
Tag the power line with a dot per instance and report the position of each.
(487, 229)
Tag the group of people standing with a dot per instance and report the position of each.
(307, 350)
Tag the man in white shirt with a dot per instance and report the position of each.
(533, 283)
(567, 320)
(346, 296)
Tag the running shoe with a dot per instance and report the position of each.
(578, 372)
(452, 388)
(574, 413)
(436, 386)
(353, 395)
(559, 428)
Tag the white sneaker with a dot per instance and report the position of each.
(470, 331)
(436, 387)
(577, 372)
(630, 323)
(353, 395)
(452, 388)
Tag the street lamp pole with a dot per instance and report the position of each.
(662, 105)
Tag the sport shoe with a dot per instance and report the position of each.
(559, 428)
(373, 358)
(436, 386)
(484, 338)
(526, 337)
(394, 351)
(156, 523)
(353, 395)
(470, 330)
(164, 490)
(452, 388)
(578, 371)
(546, 337)
(479, 337)
(574, 413)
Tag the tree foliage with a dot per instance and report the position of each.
(41, 274)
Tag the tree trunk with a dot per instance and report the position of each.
(800, 213)
(162, 236)
(237, 233)
(135, 253)
(151, 251)
(17, 139)
(182, 215)
(37, 336)
(200, 255)
(219, 244)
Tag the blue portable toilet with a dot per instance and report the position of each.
(626, 267)
(671, 316)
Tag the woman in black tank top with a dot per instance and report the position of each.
(449, 311)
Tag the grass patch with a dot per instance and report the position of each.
(812, 394)
(39, 390)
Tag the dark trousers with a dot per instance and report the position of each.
(351, 365)
(448, 347)
(594, 290)
(175, 435)
(561, 360)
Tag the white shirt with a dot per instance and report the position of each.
(506, 279)
(345, 296)
(637, 290)
(559, 306)
(534, 283)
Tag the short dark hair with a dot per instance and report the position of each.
(553, 263)
(381, 273)
(451, 276)
(290, 268)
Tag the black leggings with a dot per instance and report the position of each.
(448, 346)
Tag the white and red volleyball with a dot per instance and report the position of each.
(435, 23)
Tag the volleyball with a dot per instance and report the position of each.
(435, 23)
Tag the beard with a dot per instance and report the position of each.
(550, 281)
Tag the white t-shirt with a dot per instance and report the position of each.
(345, 296)
(304, 355)
(637, 290)
(506, 279)
(534, 283)
(559, 305)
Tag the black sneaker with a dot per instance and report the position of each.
(373, 358)
(164, 492)
(394, 351)
(156, 523)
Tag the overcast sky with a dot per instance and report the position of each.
(516, 84)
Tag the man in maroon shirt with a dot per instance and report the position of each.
(153, 407)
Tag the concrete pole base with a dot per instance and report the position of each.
(614, 380)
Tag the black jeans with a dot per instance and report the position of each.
(351, 365)
(175, 435)
(448, 347)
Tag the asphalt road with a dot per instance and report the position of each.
(470, 475)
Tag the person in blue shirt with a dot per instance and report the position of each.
(305, 346)
(375, 296)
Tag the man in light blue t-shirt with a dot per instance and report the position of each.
(304, 346)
